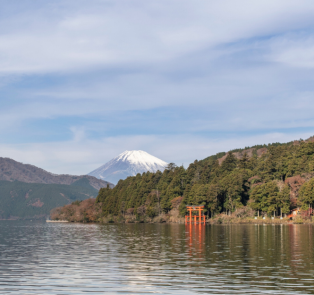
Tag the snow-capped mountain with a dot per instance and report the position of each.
(129, 163)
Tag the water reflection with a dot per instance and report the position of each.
(195, 237)
(40, 258)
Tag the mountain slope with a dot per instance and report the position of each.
(11, 170)
(19, 200)
(271, 180)
(129, 163)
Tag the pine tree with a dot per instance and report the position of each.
(306, 195)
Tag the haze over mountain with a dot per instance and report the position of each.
(20, 200)
(128, 163)
(29, 192)
(11, 170)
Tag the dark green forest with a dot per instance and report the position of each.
(35, 200)
(257, 177)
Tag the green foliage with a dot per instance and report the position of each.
(259, 146)
(221, 186)
(284, 199)
(269, 198)
(306, 195)
(229, 164)
(215, 157)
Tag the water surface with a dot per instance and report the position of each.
(40, 258)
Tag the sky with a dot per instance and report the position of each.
(83, 81)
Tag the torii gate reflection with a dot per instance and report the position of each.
(195, 229)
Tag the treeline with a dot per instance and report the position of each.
(260, 182)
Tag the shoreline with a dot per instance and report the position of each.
(214, 221)
(56, 221)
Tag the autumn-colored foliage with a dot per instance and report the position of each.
(175, 203)
(78, 211)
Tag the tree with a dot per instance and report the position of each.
(212, 193)
(171, 166)
(220, 184)
(283, 200)
(182, 207)
(272, 191)
(244, 161)
(264, 197)
(158, 199)
(256, 198)
(306, 195)
(122, 207)
(232, 187)
(229, 163)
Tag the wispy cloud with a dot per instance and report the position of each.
(82, 79)
(71, 37)
(81, 155)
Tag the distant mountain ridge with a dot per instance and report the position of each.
(11, 170)
(128, 163)
(20, 200)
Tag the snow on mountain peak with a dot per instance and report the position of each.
(128, 163)
(140, 157)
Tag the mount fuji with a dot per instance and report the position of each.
(129, 163)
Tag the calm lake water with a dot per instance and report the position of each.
(40, 258)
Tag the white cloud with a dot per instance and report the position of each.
(114, 33)
(234, 65)
(80, 156)
(294, 51)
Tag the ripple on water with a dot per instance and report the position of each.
(40, 258)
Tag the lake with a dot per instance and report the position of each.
(51, 258)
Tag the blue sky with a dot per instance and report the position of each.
(82, 81)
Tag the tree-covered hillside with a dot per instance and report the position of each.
(266, 178)
(35, 200)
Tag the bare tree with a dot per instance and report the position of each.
(158, 198)
(171, 166)
(123, 208)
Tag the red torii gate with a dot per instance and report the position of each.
(197, 219)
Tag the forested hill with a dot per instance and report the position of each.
(270, 179)
(19, 200)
